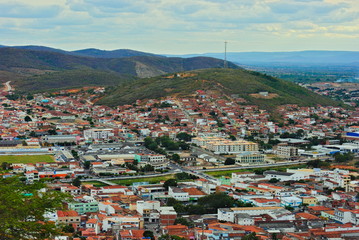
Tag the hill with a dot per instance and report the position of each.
(244, 83)
(40, 70)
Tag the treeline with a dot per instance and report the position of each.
(161, 144)
(208, 204)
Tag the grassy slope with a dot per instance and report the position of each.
(72, 78)
(228, 81)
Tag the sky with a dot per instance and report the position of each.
(182, 26)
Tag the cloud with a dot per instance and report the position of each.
(180, 23)
(12, 10)
(99, 7)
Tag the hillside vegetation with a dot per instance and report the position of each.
(226, 81)
(42, 70)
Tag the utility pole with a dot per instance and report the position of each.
(225, 55)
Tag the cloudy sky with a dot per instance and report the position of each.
(182, 26)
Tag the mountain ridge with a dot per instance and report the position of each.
(304, 56)
(27, 68)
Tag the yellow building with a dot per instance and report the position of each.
(310, 201)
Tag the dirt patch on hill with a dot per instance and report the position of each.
(269, 96)
(168, 89)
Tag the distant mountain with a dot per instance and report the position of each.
(226, 82)
(120, 53)
(90, 52)
(302, 57)
(37, 70)
(37, 48)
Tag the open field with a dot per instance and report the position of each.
(128, 182)
(26, 158)
(228, 173)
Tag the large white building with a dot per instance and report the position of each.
(287, 151)
(98, 133)
(222, 145)
(278, 213)
(250, 158)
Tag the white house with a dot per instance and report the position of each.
(178, 194)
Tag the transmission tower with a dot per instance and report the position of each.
(225, 55)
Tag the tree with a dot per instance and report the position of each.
(274, 180)
(345, 157)
(184, 221)
(184, 136)
(251, 236)
(184, 146)
(147, 168)
(214, 201)
(5, 165)
(170, 237)
(87, 164)
(52, 132)
(22, 210)
(232, 137)
(229, 161)
(170, 183)
(68, 228)
(175, 157)
(148, 234)
(75, 154)
(32, 134)
(172, 146)
(185, 176)
(76, 182)
(317, 163)
(289, 208)
(171, 202)
(27, 119)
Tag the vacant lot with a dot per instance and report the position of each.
(128, 182)
(26, 158)
(94, 183)
(228, 173)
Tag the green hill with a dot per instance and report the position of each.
(244, 83)
(41, 70)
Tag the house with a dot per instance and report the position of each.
(194, 194)
(94, 223)
(83, 204)
(178, 194)
(68, 217)
(263, 202)
(291, 201)
(168, 216)
(131, 234)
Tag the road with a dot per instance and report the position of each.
(177, 169)
(253, 166)
(125, 177)
(8, 88)
(209, 153)
(193, 172)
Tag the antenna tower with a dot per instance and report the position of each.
(225, 55)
